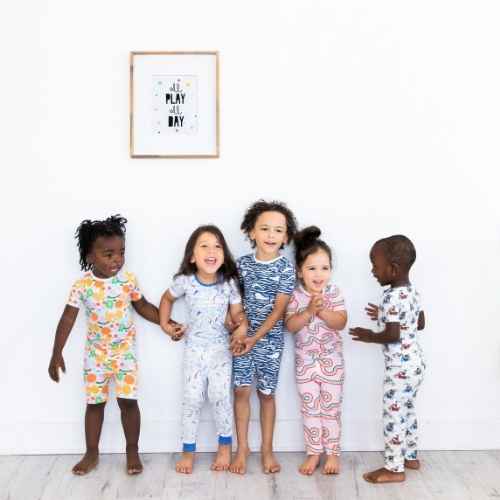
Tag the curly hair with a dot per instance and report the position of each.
(261, 206)
(227, 271)
(89, 230)
(307, 242)
(398, 249)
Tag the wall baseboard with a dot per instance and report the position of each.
(164, 436)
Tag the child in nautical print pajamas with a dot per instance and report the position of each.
(207, 279)
(401, 316)
(107, 293)
(316, 313)
(267, 279)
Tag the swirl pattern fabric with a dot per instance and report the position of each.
(319, 370)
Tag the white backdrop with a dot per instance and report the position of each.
(368, 118)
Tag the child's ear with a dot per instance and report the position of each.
(192, 260)
(395, 268)
(89, 258)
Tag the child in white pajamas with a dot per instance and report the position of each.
(206, 280)
(401, 316)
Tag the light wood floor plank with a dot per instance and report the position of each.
(470, 475)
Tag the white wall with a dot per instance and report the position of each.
(368, 118)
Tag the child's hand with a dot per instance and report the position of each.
(56, 362)
(236, 346)
(175, 332)
(316, 304)
(361, 334)
(247, 345)
(237, 339)
(372, 311)
(231, 325)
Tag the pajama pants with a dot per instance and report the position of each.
(401, 384)
(319, 382)
(207, 372)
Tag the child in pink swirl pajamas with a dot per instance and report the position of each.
(316, 313)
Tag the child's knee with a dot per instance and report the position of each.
(264, 398)
(96, 407)
(242, 393)
(127, 404)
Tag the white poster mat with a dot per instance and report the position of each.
(174, 104)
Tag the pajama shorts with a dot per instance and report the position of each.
(262, 362)
(105, 362)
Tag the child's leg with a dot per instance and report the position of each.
(267, 363)
(411, 436)
(195, 379)
(309, 392)
(131, 422)
(242, 418)
(267, 420)
(219, 395)
(94, 416)
(243, 374)
(331, 400)
(393, 419)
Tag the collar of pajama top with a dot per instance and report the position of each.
(401, 305)
(107, 305)
(316, 338)
(207, 306)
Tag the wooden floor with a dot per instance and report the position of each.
(472, 475)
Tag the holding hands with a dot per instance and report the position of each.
(175, 330)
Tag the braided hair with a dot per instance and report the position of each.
(89, 230)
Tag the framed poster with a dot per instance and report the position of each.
(174, 104)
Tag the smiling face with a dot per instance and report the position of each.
(316, 271)
(383, 271)
(208, 256)
(107, 256)
(269, 234)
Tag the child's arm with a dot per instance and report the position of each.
(276, 314)
(63, 330)
(175, 331)
(237, 318)
(336, 320)
(146, 310)
(421, 321)
(391, 333)
(296, 321)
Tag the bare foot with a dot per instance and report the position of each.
(239, 463)
(332, 464)
(412, 464)
(269, 463)
(134, 464)
(185, 464)
(310, 464)
(87, 463)
(380, 476)
(223, 458)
